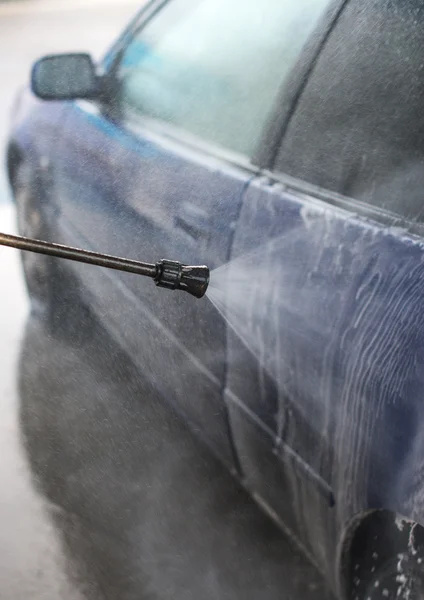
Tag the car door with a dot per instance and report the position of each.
(326, 340)
(160, 172)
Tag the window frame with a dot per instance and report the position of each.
(301, 187)
(291, 91)
(266, 149)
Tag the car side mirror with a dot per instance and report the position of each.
(64, 77)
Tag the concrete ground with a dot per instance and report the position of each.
(146, 512)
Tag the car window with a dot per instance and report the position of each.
(213, 68)
(359, 126)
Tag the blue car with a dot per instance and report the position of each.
(281, 144)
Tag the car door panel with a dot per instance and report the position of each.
(333, 316)
(140, 196)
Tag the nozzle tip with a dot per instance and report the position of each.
(176, 276)
(195, 280)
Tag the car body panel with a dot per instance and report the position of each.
(333, 329)
(35, 127)
(131, 194)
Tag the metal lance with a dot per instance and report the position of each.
(169, 274)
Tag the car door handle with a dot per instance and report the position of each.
(193, 220)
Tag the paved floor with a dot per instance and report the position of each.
(149, 514)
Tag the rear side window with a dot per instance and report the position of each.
(358, 128)
(213, 67)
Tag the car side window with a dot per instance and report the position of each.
(213, 68)
(358, 128)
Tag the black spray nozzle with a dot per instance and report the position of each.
(166, 273)
(176, 276)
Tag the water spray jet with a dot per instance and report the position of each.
(169, 274)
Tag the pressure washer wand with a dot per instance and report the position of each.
(169, 274)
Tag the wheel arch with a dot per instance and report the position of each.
(388, 530)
